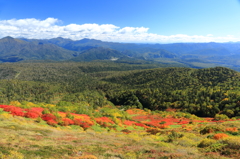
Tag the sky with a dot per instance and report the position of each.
(135, 21)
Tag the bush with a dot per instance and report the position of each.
(52, 123)
(47, 117)
(206, 143)
(32, 115)
(66, 122)
(185, 141)
(173, 136)
(220, 136)
(221, 117)
(232, 142)
(211, 129)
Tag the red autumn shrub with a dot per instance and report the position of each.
(83, 124)
(17, 113)
(4, 106)
(153, 123)
(104, 121)
(129, 123)
(47, 117)
(31, 114)
(163, 126)
(12, 108)
(141, 125)
(66, 122)
(183, 122)
(52, 122)
(37, 110)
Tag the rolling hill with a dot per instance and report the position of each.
(14, 50)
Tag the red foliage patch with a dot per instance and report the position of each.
(13, 110)
(4, 106)
(141, 125)
(104, 119)
(67, 121)
(83, 124)
(129, 123)
(32, 115)
(17, 113)
(48, 117)
(52, 122)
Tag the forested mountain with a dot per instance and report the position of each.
(196, 55)
(204, 92)
(13, 50)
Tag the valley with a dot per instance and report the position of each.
(73, 100)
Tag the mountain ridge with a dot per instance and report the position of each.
(60, 49)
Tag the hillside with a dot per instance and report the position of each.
(203, 92)
(30, 131)
(14, 50)
(108, 109)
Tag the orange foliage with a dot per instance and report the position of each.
(129, 123)
(83, 124)
(136, 111)
(220, 136)
(62, 114)
(163, 126)
(234, 129)
(104, 121)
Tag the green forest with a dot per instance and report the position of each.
(203, 92)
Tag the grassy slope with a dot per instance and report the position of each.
(24, 138)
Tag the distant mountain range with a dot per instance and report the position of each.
(197, 55)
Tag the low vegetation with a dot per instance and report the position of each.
(31, 131)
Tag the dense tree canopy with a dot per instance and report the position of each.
(204, 92)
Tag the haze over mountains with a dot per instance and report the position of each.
(196, 55)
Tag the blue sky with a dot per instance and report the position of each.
(147, 21)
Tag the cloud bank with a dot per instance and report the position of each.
(52, 28)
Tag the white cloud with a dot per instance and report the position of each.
(51, 28)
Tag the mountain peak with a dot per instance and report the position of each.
(8, 38)
(12, 40)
